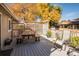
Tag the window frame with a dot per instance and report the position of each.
(9, 24)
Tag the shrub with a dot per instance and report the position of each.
(74, 41)
(49, 33)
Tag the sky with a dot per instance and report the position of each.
(70, 11)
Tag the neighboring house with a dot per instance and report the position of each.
(6, 19)
(70, 24)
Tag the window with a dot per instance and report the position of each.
(9, 24)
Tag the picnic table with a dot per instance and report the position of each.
(28, 34)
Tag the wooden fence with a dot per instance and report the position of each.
(73, 32)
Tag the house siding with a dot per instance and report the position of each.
(5, 33)
(0, 31)
(4, 30)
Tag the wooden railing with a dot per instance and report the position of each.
(74, 32)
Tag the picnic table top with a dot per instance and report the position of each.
(27, 32)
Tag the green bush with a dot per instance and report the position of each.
(49, 33)
(74, 41)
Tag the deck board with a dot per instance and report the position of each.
(42, 48)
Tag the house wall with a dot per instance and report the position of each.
(5, 32)
(0, 31)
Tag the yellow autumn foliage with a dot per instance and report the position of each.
(38, 9)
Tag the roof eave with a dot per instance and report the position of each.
(9, 11)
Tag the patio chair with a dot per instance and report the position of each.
(61, 41)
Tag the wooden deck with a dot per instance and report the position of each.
(42, 48)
